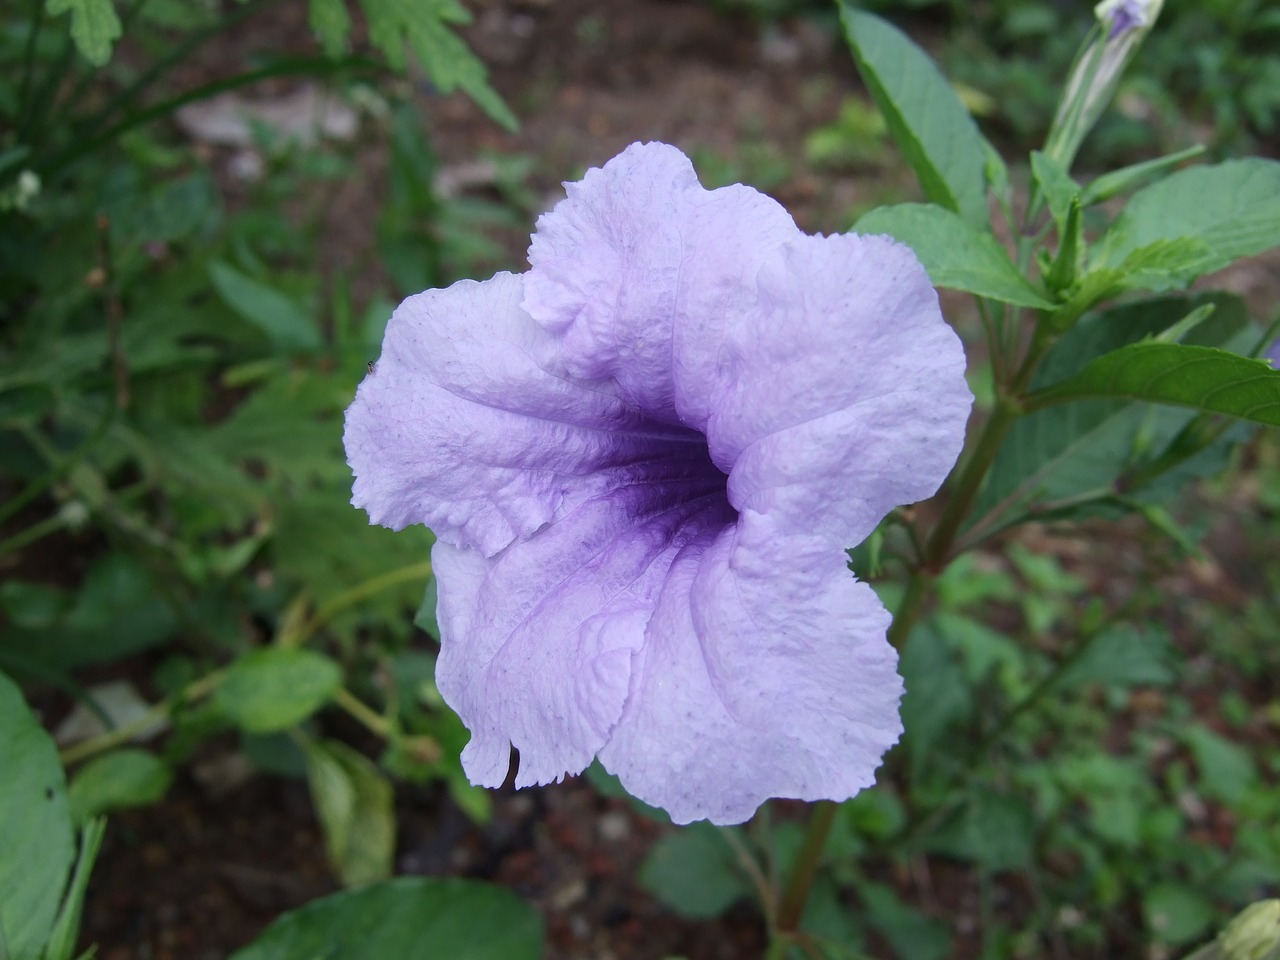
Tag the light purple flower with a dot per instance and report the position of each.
(1272, 353)
(643, 460)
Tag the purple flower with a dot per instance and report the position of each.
(643, 460)
(1272, 353)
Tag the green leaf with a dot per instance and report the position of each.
(957, 255)
(1226, 769)
(36, 842)
(938, 699)
(990, 829)
(1232, 209)
(117, 611)
(1131, 177)
(356, 806)
(1059, 190)
(1064, 452)
(332, 24)
(912, 934)
(425, 26)
(1202, 378)
(66, 929)
(94, 26)
(412, 918)
(932, 128)
(285, 324)
(694, 871)
(1176, 913)
(1124, 656)
(120, 779)
(275, 688)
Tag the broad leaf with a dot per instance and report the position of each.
(36, 843)
(95, 27)
(122, 778)
(1232, 209)
(957, 255)
(285, 324)
(694, 871)
(993, 830)
(1202, 378)
(276, 688)
(1124, 656)
(356, 805)
(932, 128)
(412, 918)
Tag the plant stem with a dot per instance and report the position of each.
(357, 594)
(805, 868)
(161, 711)
(365, 715)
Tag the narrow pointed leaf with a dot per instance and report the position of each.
(1202, 378)
(958, 256)
(932, 128)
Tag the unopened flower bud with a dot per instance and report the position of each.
(1122, 25)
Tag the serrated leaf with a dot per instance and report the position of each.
(411, 918)
(114, 781)
(285, 324)
(932, 128)
(1202, 378)
(36, 843)
(955, 254)
(1124, 656)
(991, 829)
(275, 688)
(694, 871)
(95, 27)
(1232, 209)
(356, 807)
(424, 27)
(332, 24)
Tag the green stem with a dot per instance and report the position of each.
(161, 711)
(29, 57)
(31, 534)
(805, 869)
(364, 714)
(289, 67)
(357, 594)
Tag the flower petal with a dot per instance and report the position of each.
(462, 426)
(537, 641)
(842, 394)
(765, 673)
(638, 269)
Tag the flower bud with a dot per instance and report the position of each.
(1122, 25)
